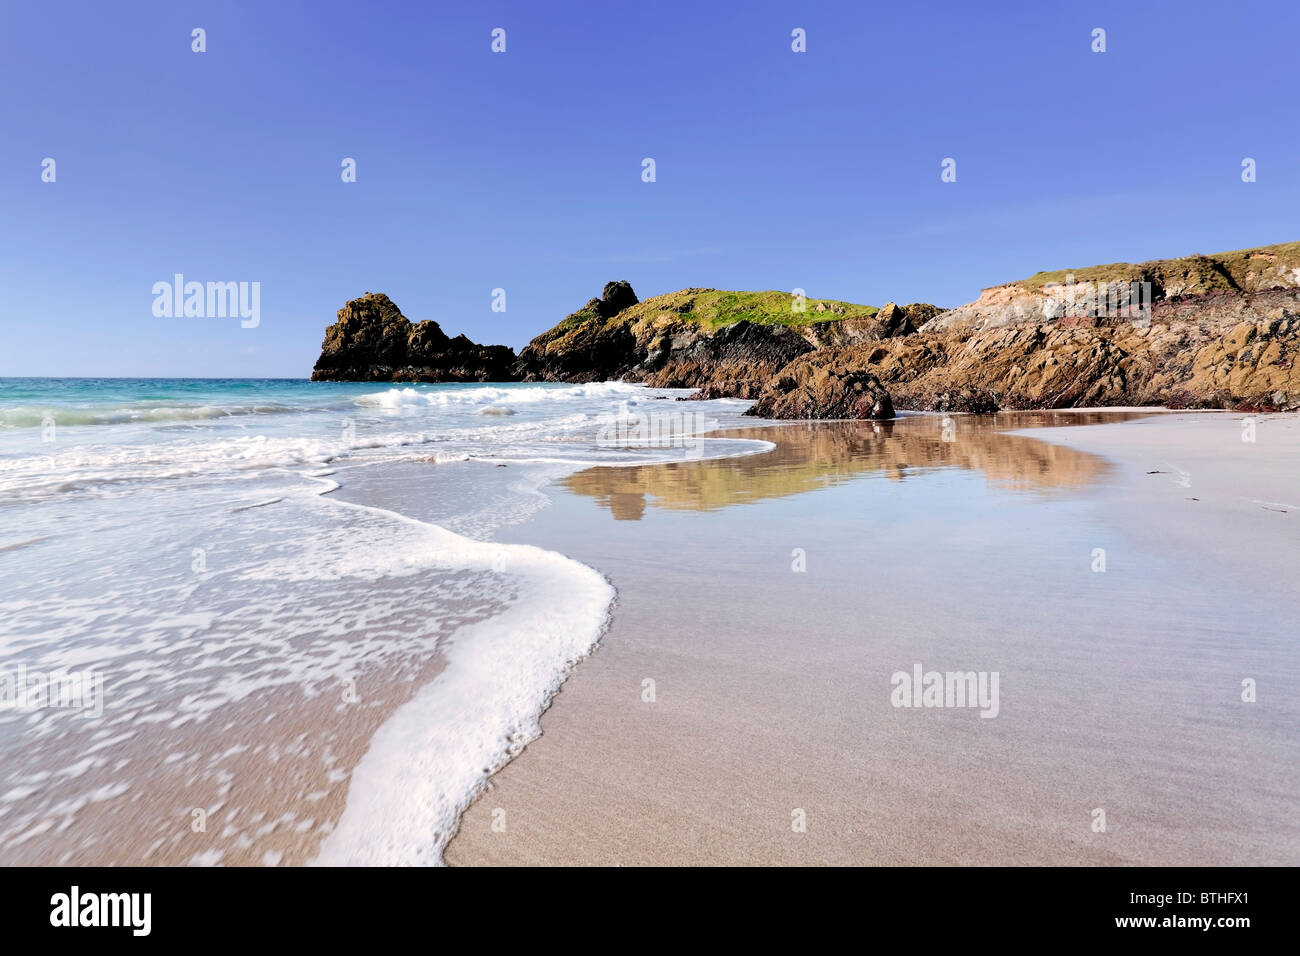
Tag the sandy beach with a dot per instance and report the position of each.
(350, 670)
(1121, 579)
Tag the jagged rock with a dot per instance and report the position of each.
(728, 342)
(583, 347)
(615, 297)
(824, 391)
(737, 359)
(920, 313)
(1249, 365)
(426, 341)
(1221, 331)
(1183, 288)
(373, 342)
(890, 322)
(894, 321)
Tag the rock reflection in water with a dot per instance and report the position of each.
(811, 455)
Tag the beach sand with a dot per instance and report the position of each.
(1120, 690)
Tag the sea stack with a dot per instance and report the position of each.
(373, 342)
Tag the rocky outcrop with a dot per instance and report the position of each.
(890, 322)
(585, 346)
(829, 389)
(722, 343)
(726, 343)
(373, 342)
(1215, 331)
(1120, 291)
(1248, 365)
(736, 361)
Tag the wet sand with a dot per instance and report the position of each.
(768, 736)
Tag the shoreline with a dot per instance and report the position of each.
(598, 736)
(769, 585)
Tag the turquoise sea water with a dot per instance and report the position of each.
(176, 545)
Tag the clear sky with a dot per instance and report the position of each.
(522, 170)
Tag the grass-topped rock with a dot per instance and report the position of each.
(728, 343)
(1179, 288)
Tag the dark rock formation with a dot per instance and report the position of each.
(583, 347)
(1219, 331)
(373, 342)
(723, 343)
(736, 361)
(825, 390)
(614, 298)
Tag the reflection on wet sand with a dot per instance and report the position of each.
(811, 455)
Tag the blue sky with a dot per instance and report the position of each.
(522, 170)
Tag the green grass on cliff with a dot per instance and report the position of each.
(578, 318)
(714, 308)
(1242, 269)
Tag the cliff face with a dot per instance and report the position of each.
(1218, 331)
(586, 346)
(1247, 365)
(726, 343)
(373, 342)
(1177, 288)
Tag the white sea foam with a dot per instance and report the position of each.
(199, 563)
(33, 416)
(433, 756)
(396, 398)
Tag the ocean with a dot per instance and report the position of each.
(219, 620)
